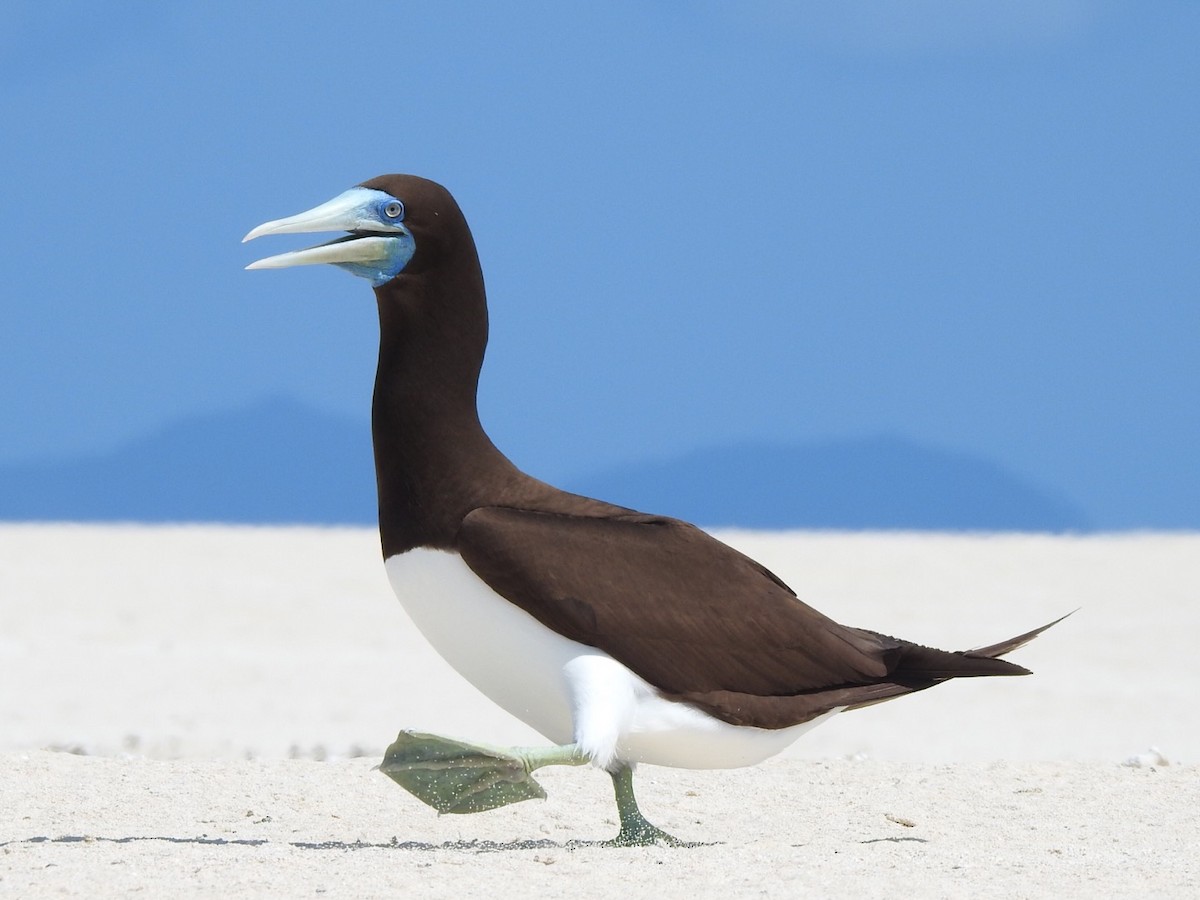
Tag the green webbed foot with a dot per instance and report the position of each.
(455, 776)
(636, 829)
(646, 834)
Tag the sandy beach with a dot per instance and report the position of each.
(196, 711)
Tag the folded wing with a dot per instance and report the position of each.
(701, 622)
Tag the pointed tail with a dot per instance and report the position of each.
(994, 651)
(919, 667)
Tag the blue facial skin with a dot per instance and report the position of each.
(400, 243)
(400, 249)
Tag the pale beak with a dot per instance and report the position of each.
(377, 248)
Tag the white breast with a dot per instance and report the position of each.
(563, 689)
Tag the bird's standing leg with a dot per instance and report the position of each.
(455, 776)
(636, 830)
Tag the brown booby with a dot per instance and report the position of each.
(622, 637)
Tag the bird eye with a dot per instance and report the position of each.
(394, 210)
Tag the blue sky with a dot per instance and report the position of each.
(970, 225)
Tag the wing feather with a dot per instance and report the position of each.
(678, 607)
(700, 621)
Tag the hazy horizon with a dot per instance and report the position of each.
(281, 461)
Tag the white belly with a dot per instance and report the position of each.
(566, 690)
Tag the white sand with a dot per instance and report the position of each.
(189, 663)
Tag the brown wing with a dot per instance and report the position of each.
(695, 618)
(681, 609)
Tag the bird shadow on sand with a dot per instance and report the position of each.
(471, 846)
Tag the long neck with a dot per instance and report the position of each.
(433, 461)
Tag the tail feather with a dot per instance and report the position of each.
(918, 666)
(927, 663)
(909, 668)
(992, 651)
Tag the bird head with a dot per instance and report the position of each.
(388, 220)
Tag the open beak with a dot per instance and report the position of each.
(375, 248)
(349, 249)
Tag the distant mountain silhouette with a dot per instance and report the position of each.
(276, 461)
(281, 461)
(879, 482)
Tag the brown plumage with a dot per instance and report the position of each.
(623, 637)
(701, 622)
(694, 618)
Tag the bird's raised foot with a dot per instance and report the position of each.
(455, 776)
